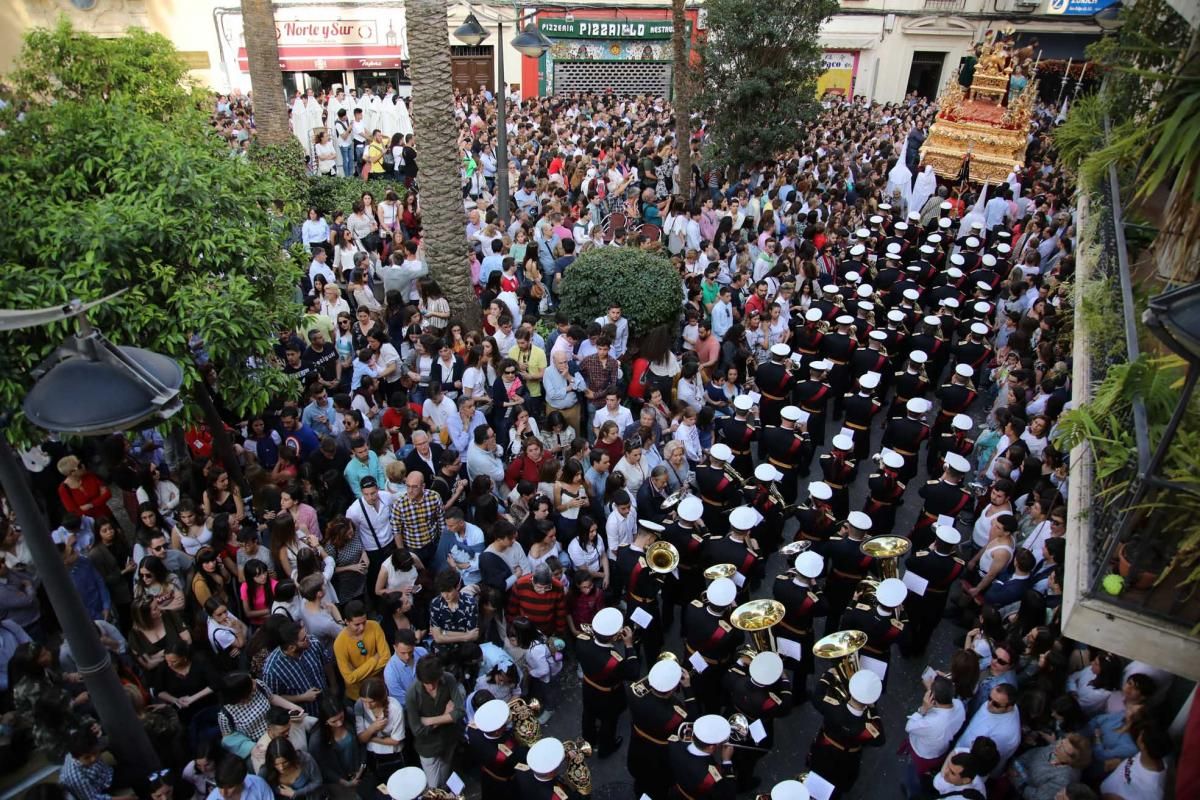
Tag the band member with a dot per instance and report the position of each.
(854, 263)
(797, 590)
(974, 352)
(702, 769)
(933, 344)
(861, 408)
(945, 496)
(906, 434)
(848, 566)
(837, 347)
(737, 548)
(812, 396)
(885, 489)
(846, 728)
(956, 398)
(910, 382)
(788, 449)
(840, 470)
(655, 714)
(685, 532)
(408, 783)
(739, 432)
(880, 621)
(808, 337)
(872, 358)
(719, 491)
(607, 659)
(775, 381)
(939, 567)
(642, 586)
(763, 497)
(710, 635)
(537, 779)
(762, 693)
(494, 748)
(817, 522)
(786, 790)
(955, 441)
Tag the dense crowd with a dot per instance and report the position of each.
(445, 520)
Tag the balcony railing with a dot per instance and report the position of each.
(945, 5)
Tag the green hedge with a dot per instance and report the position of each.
(338, 194)
(646, 285)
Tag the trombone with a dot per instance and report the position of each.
(733, 474)
(739, 735)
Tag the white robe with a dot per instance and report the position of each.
(389, 120)
(300, 124)
(331, 115)
(923, 189)
(976, 214)
(370, 106)
(900, 178)
(402, 113)
(315, 113)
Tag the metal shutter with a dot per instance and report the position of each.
(617, 77)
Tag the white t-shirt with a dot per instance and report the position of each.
(397, 580)
(1132, 781)
(474, 382)
(439, 412)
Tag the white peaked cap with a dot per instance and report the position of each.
(766, 472)
(885, 206)
(977, 225)
(545, 756)
(949, 534)
(789, 790)
(901, 226)
(710, 729)
(972, 241)
(891, 592)
(918, 357)
(862, 233)
(869, 380)
(964, 371)
(911, 294)
(957, 260)
(934, 238)
(916, 215)
(844, 319)
(853, 277)
(962, 422)
(809, 564)
(721, 452)
(820, 490)
(665, 676)
(892, 460)
(860, 520)
(829, 288)
(821, 365)
(954, 272)
(926, 249)
(865, 687)
(875, 219)
(877, 335)
(766, 668)
(813, 315)
(944, 222)
(781, 350)
(866, 290)
(946, 205)
(957, 463)
(608, 621)
(743, 402)
(743, 518)
(691, 508)
(721, 592)
(989, 260)
(917, 405)
(979, 329)
(842, 441)
(950, 302)
(790, 413)
(982, 307)
(857, 250)
(492, 716)
(407, 783)
(895, 315)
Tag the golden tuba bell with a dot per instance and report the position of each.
(525, 725)
(440, 794)
(887, 551)
(662, 557)
(844, 646)
(719, 571)
(577, 773)
(756, 618)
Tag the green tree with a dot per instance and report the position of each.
(106, 196)
(645, 284)
(266, 79)
(63, 65)
(762, 61)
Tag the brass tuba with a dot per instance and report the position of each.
(662, 557)
(525, 723)
(844, 646)
(756, 618)
(887, 551)
(577, 774)
(719, 571)
(440, 794)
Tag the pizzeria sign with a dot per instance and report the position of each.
(606, 29)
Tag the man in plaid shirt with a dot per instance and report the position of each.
(418, 518)
(600, 371)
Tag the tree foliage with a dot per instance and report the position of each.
(645, 284)
(61, 64)
(101, 195)
(761, 64)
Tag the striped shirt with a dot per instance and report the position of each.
(546, 610)
(416, 523)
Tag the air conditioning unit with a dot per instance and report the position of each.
(1026, 5)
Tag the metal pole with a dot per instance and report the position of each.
(502, 187)
(124, 730)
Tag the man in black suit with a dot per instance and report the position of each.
(426, 456)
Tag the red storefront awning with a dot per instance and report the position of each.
(322, 57)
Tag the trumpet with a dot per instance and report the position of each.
(525, 725)
(641, 688)
(577, 774)
(793, 549)
(663, 557)
(674, 498)
(739, 733)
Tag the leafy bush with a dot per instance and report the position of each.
(286, 160)
(646, 285)
(328, 194)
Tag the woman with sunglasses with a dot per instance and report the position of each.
(154, 630)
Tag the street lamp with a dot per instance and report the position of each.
(87, 386)
(531, 43)
(1109, 18)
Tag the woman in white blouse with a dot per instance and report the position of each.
(587, 550)
(633, 466)
(1093, 684)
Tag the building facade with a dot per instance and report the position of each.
(880, 49)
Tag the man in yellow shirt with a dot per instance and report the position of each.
(374, 155)
(361, 649)
(531, 364)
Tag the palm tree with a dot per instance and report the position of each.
(436, 135)
(683, 110)
(266, 79)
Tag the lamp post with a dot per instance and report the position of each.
(87, 387)
(529, 42)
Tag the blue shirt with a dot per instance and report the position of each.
(90, 587)
(491, 263)
(303, 439)
(253, 788)
(312, 411)
(355, 471)
(398, 676)
(722, 319)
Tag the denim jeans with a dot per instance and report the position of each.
(347, 160)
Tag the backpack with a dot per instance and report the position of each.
(389, 160)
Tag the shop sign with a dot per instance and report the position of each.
(838, 75)
(606, 28)
(1076, 8)
(327, 32)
